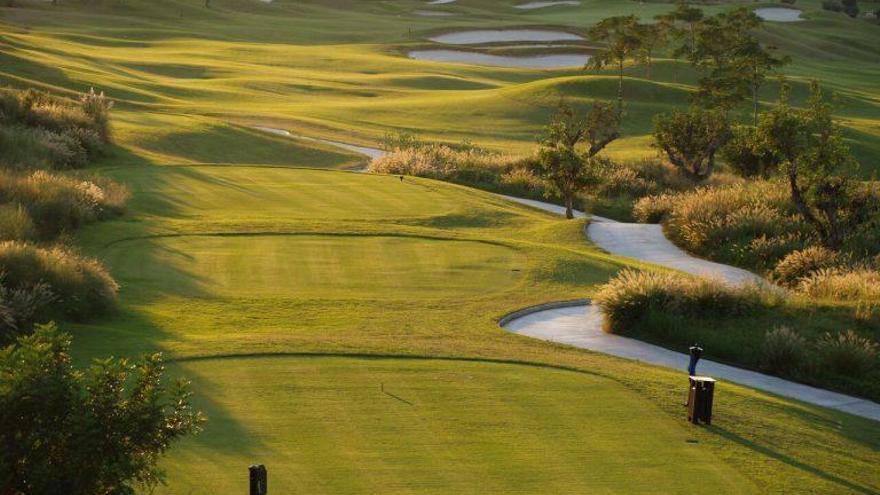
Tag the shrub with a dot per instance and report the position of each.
(783, 351)
(742, 223)
(20, 309)
(691, 139)
(847, 353)
(860, 284)
(470, 166)
(745, 156)
(803, 263)
(654, 209)
(522, 179)
(97, 107)
(15, 223)
(56, 419)
(56, 203)
(82, 286)
(38, 130)
(832, 5)
(633, 295)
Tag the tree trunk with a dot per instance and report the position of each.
(801, 205)
(569, 206)
(755, 97)
(620, 89)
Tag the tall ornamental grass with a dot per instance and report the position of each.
(81, 286)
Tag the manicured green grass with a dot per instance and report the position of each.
(183, 258)
(336, 425)
(236, 244)
(339, 68)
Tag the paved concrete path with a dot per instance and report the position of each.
(580, 324)
(646, 242)
(363, 150)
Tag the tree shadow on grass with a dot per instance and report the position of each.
(791, 461)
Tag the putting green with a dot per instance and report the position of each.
(314, 266)
(325, 425)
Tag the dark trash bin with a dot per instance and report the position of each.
(700, 397)
(259, 480)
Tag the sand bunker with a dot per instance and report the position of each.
(550, 61)
(440, 2)
(541, 5)
(503, 36)
(779, 14)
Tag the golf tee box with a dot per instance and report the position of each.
(701, 394)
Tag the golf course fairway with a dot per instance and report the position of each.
(342, 327)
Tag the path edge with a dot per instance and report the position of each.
(537, 308)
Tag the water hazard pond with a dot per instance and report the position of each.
(549, 61)
(476, 37)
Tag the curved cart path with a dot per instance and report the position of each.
(580, 324)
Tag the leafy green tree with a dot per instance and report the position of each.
(734, 62)
(683, 24)
(567, 158)
(724, 82)
(747, 156)
(621, 41)
(851, 7)
(691, 139)
(651, 36)
(99, 431)
(809, 146)
(756, 62)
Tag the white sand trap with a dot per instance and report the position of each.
(440, 2)
(557, 61)
(503, 36)
(541, 5)
(779, 14)
(432, 13)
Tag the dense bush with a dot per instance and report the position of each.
(847, 353)
(634, 296)
(42, 205)
(860, 284)
(15, 223)
(82, 286)
(799, 265)
(38, 130)
(752, 224)
(40, 134)
(749, 224)
(745, 155)
(783, 351)
(21, 308)
(101, 430)
(444, 162)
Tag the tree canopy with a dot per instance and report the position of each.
(97, 431)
